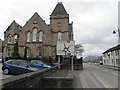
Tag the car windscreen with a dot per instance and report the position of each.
(20, 63)
(36, 62)
(23, 63)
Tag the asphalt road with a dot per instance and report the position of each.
(95, 76)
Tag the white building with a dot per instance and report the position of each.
(1, 48)
(112, 56)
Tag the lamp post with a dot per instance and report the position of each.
(117, 31)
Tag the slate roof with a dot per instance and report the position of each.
(112, 49)
(14, 24)
(59, 9)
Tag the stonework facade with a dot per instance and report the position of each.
(38, 38)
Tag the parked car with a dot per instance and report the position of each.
(17, 67)
(38, 64)
(101, 63)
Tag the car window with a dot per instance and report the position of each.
(23, 63)
(36, 62)
(15, 62)
(10, 62)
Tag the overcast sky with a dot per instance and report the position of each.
(93, 20)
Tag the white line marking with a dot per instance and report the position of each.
(105, 84)
(83, 81)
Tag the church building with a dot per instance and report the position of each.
(36, 37)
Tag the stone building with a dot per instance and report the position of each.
(36, 37)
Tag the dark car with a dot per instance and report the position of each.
(101, 63)
(17, 67)
(38, 64)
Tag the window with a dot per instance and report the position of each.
(116, 61)
(116, 52)
(28, 52)
(40, 36)
(15, 38)
(28, 36)
(10, 39)
(104, 61)
(59, 36)
(8, 51)
(112, 60)
(40, 51)
(34, 34)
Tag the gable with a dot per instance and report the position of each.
(35, 19)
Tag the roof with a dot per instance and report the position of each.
(59, 10)
(112, 49)
(35, 19)
(14, 24)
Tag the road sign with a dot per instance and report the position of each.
(65, 48)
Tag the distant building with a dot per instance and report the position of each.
(37, 38)
(1, 42)
(112, 56)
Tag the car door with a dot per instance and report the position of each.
(14, 67)
(23, 67)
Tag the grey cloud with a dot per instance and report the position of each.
(93, 20)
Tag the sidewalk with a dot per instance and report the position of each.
(111, 67)
(59, 79)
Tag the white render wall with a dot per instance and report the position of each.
(111, 58)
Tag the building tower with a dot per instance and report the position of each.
(60, 27)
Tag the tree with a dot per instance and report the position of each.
(15, 53)
(79, 49)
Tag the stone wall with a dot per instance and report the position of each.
(28, 80)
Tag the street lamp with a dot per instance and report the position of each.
(117, 31)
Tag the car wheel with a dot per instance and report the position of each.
(6, 71)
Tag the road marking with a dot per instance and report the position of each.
(94, 80)
(105, 84)
(83, 81)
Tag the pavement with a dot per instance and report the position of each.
(59, 79)
(61, 74)
(110, 67)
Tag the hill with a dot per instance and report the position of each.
(96, 59)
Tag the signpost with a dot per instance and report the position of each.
(65, 48)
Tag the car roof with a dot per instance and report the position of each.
(15, 60)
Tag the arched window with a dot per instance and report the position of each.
(9, 51)
(27, 52)
(28, 36)
(40, 51)
(10, 39)
(40, 36)
(34, 34)
(15, 38)
(59, 36)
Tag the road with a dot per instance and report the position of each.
(95, 76)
